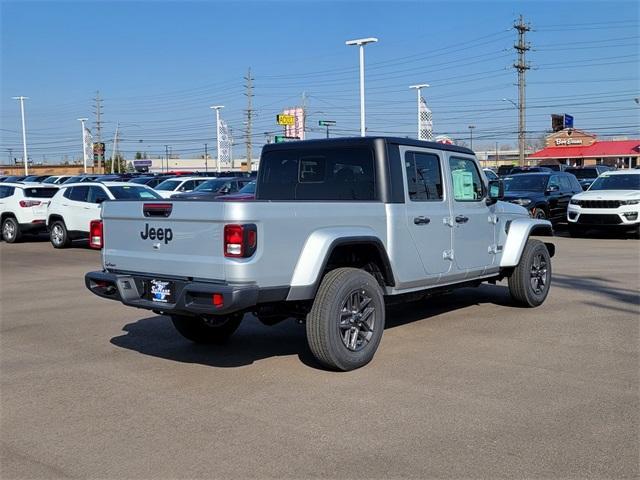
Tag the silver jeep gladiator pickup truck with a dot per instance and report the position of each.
(337, 228)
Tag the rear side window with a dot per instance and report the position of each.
(79, 194)
(318, 174)
(97, 195)
(467, 183)
(424, 177)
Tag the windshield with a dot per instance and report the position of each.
(248, 188)
(77, 178)
(142, 180)
(525, 183)
(616, 182)
(50, 180)
(36, 192)
(168, 185)
(583, 172)
(211, 185)
(131, 192)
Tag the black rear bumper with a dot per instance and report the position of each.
(189, 297)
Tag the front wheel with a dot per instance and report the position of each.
(11, 230)
(540, 214)
(346, 321)
(530, 281)
(207, 330)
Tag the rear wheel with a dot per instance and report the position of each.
(346, 321)
(11, 230)
(59, 235)
(207, 330)
(530, 281)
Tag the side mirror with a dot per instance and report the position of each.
(553, 188)
(496, 191)
(100, 200)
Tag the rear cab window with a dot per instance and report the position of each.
(424, 176)
(318, 174)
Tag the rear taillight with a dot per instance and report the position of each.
(29, 203)
(240, 241)
(95, 234)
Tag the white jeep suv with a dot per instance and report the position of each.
(612, 201)
(75, 205)
(23, 208)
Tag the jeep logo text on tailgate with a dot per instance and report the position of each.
(165, 234)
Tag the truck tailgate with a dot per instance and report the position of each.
(186, 243)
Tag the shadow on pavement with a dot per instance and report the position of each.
(599, 287)
(253, 341)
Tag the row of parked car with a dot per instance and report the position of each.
(584, 197)
(65, 207)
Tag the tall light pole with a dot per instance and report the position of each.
(418, 89)
(471, 127)
(217, 109)
(24, 134)
(361, 42)
(521, 133)
(84, 146)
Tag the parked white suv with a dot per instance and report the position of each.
(23, 209)
(75, 205)
(612, 201)
(171, 186)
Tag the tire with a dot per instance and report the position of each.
(540, 214)
(575, 231)
(200, 330)
(58, 235)
(530, 281)
(11, 230)
(346, 321)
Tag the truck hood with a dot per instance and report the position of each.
(512, 209)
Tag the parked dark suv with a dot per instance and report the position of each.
(587, 175)
(545, 195)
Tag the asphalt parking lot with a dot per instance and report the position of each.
(463, 386)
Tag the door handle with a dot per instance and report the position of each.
(462, 219)
(421, 220)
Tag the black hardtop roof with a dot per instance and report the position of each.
(360, 141)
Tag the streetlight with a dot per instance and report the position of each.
(24, 134)
(361, 42)
(510, 101)
(418, 88)
(471, 127)
(217, 109)
(84, 146)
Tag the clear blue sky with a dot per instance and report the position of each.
(159, 65)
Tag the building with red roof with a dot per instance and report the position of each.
(575, 147)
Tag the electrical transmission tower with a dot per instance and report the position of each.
(521, 67)
(98, 125)
(249, 94)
